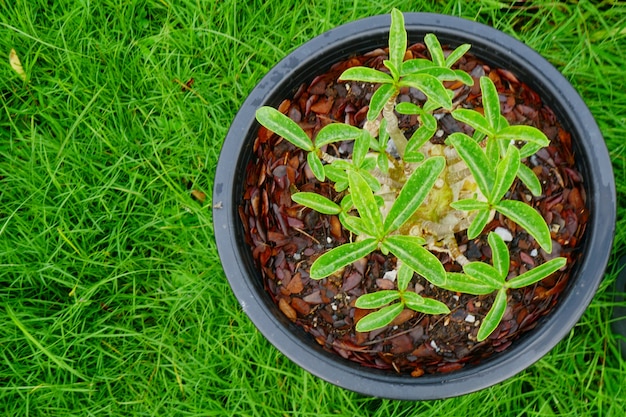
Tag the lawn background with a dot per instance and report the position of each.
(112, 297)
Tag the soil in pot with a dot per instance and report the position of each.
(285, 238)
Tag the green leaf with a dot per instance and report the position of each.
(377, 299)
(413, 193)
(475, 159)
(336, 172)
(283, 126)
(366, 75)
(457, 54)
(379, 319)
(442, 74)
(316, 166)
(491, 102)
(537, 274)
(431, 306)
(346, 203)
(383, 163)
(434, 47)
(341, 256)
(529, 219)
(406, 107)
(475, 120)
(422, 135)
(530, 180)
(500, 254)
(317, 202)
(478, 224)
(529, 149)
(361, 147)
(371, 180)
(413, 66)
(430, 86)
(412, 300)
(485, 273)
(383, 135)
(506, 171)
(492, 150)
(493, 317)
(405, 275)
(354, 224)
(464, 283)
(409, 250)
(469, 204)
(464, 77)
(365, 203)
(395, 72)
(397, 39)
(524, 133)
(336, 132)
(381, 96)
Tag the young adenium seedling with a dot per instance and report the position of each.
(388, 312)
(432, 196)
(481, 278)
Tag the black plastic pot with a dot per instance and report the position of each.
(493, 47)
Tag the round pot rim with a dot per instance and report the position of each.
(586, 276)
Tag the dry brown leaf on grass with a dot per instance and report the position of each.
(14, 60)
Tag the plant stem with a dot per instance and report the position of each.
(394, 131)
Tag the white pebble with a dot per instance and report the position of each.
(470, 318)
(434, 345)
(391, 275)
(329, 239)
(504, 234)
(534, 253)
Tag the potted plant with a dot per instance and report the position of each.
(486, 160)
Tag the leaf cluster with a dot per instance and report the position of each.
(494, 156)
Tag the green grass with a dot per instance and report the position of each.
(112, 296)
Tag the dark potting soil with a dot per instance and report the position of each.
(285, 238)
